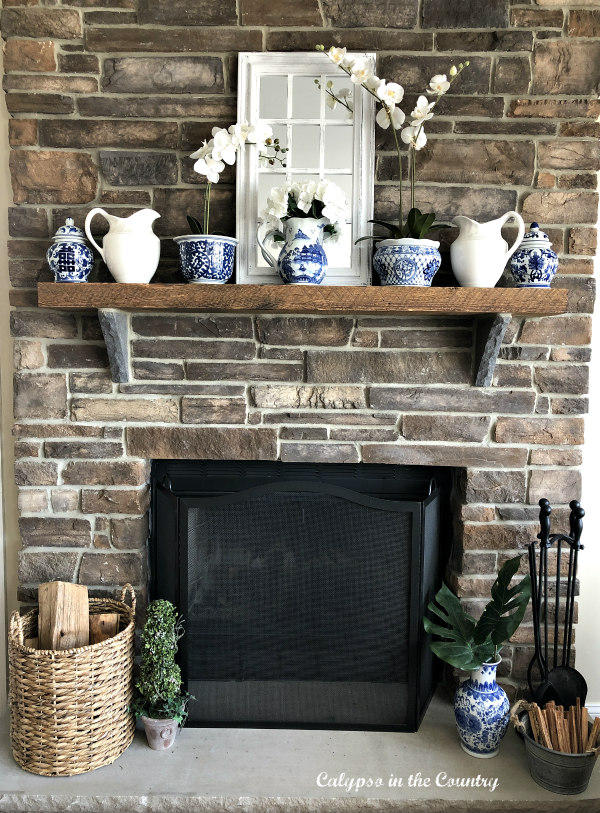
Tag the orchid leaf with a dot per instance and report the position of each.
(505, 611)
(195, 225)
(393, 229)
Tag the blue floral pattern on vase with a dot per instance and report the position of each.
(69, 257)
(302, 259)
(534, 263)
(407, 261)
(206, 258)
(481, 709)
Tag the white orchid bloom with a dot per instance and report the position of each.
(439, 83)
(361, 72)
(224, 148)
(210, 167)
(414, 135)
(259, 133)
(372, 83)
(344, 94)
(390, 92)
(204, 150)
(383, 119)
(337, 55)
(422, 111)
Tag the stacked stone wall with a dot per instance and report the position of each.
(107, 99)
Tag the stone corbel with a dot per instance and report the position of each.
(489, 334)
(115, 329)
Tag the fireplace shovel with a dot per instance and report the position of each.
(562, 683)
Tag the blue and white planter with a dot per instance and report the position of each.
(206, 258)
(534, 263)
(482, 711)
(407, 261)
(302, 259)
(69, 257)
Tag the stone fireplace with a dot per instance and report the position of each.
(295, 389)
(97, 121)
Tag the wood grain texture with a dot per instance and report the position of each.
(309, 299)
(103, 626)
(64, 615)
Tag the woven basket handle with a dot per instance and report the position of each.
(127, 588)
(16, 627)
(520, 705)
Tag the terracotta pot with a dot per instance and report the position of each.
(160, 733)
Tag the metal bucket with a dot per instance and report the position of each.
(561, 773)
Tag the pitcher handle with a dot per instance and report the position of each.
(514, 216)
(86, 226)
(269, 257)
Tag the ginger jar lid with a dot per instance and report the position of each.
(535, 238)
(69, 233)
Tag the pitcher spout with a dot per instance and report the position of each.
(140, 219)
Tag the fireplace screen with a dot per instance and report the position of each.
(302, 596)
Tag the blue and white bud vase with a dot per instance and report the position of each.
(302, 259)
(69, 257)
(534, 263)
(482, 711)
(407, 261)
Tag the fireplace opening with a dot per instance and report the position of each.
(303, 588)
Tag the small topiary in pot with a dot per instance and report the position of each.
(159, 700)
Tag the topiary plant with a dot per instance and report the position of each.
(158, 690)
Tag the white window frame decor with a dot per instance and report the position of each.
(253, 66)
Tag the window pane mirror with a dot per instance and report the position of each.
(323, 144)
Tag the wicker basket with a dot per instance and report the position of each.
(69, 709)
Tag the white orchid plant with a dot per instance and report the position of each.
(222, 149)
(388, 96)
(309, 199)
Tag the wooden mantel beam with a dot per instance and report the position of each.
(490, 307)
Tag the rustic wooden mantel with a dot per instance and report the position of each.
(491, 307)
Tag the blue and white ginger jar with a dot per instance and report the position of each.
(407, 261)
(69, 257)
(206, 258)
(482, 710)
(534, 263)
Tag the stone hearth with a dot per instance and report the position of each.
(253, 771)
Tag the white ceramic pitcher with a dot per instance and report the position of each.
(131, 250)
(480, 253)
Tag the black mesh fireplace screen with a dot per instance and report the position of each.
(303, 589)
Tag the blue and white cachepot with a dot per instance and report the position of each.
(407, 261)
(534, 263)
(69, 257)
(302, 259)
(206, 258)
(481, 709)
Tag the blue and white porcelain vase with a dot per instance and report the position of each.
(407, 261)
(534, 263)
(481, 709)
(302, 259)
(206, 258)
(69, 257)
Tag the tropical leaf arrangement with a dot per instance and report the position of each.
(470, 643)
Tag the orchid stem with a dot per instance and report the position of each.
(207, 207)
(399, 153)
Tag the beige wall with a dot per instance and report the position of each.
(588, 636)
